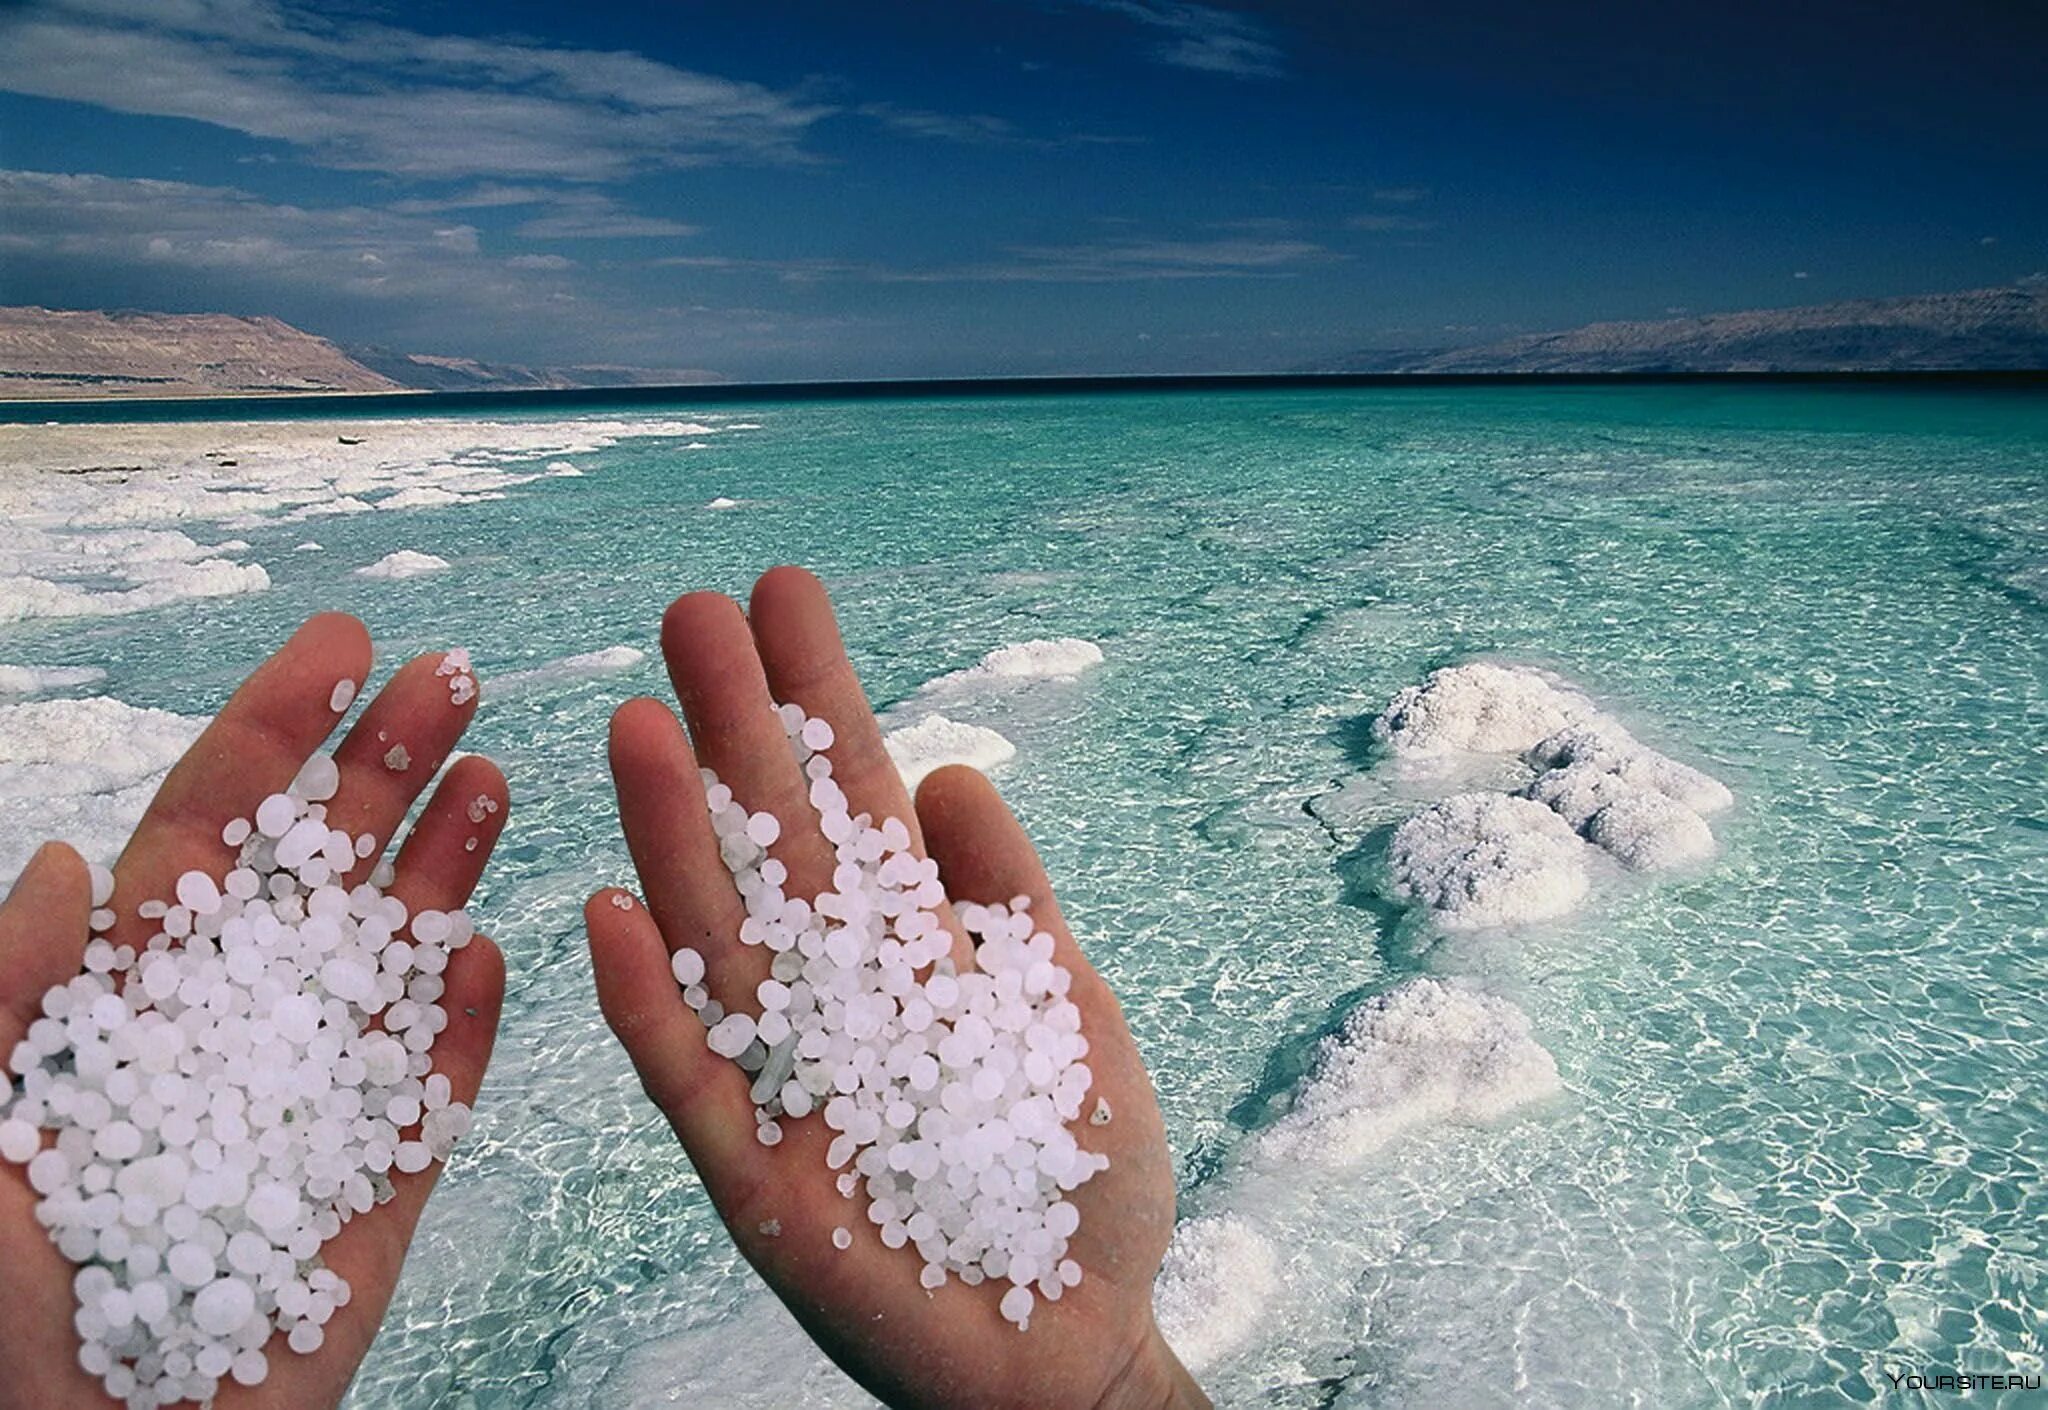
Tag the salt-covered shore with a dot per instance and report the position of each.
(104, 520)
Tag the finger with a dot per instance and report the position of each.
(394, 751)
(253, 748)
(984, 856)
(704, 1097)
(443, 856)
(668, 832)
(804, 660)
(42, 936)
(437, 869)
(370, 1249)
(735, 731)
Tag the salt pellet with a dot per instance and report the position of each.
(342, 696)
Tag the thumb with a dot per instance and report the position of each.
(42, 935)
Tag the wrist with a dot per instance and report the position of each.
(1152, 1378)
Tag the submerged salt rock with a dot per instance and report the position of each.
(1481, 859)
(1424, 1052)
(1649, 831)
(1481, 708)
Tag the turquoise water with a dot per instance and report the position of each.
(1801, 1139)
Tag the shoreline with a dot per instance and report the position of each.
(412, 401)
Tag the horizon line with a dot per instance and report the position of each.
(310, 405)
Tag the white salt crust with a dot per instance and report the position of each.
(950, 1090)
(403, 563)
(29, 680)
(1218, 1276)
(935, 741)
(83, 770)
(1426, 1051)
(1481, 859)
(220, 1105)
(90, 543)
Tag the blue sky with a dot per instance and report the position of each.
(1015, 186)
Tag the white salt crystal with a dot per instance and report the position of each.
(317, 779)
(688, 966)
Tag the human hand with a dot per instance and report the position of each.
(252, 749)
(1098, 1345)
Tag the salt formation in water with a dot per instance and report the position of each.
(1486, 859)
(65, 537)
(921, 733)
(935, 741)
(81, 769)
(1060, 659)
(28, 680)
(1425, 1051)
(403, 563)
(1218, 1277)
(1477, 708)
(225, 1100)
(950, 1092)
(1483, 859)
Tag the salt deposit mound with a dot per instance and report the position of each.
(1475, 860)
(1605, 744)
(1424, 1052)
(1477, 708)
(1482, 859)
(1061, 659)
(1219, 1275)
(404, 563)
(81, 770)
(921, 734)
(29, 680)
(935, 741)
(1651, 832)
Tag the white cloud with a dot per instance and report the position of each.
(539, 262)
(972, 129)
(368, 251)
(356, 94)
(1204, 37)
(1111, 261)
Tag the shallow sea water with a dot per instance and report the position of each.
(1800, 1142)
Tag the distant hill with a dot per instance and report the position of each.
(61, 353)
(467, 374)
(1975, 330)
